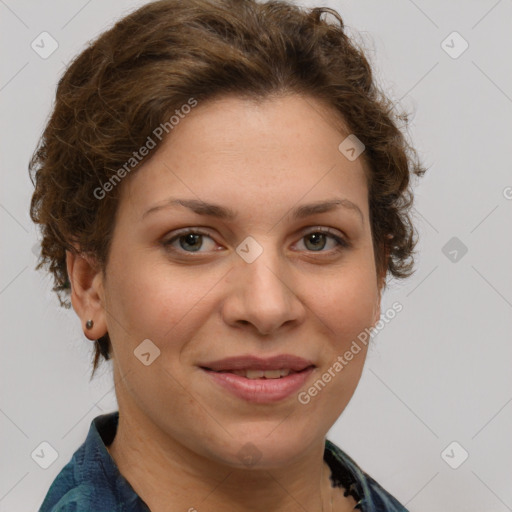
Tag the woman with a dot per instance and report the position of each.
(222, 191)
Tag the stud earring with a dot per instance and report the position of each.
(89, 324)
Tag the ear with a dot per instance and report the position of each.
(87, 293)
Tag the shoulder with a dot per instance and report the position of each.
(91, 480)
(371, 495)
(80, 498)
(70, 492)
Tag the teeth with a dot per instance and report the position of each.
(258, 374)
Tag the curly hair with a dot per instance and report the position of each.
(136, 74)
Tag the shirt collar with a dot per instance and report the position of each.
(96, 457)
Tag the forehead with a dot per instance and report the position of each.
(238, 152)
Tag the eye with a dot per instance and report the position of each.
(192, 240)
(316, 240)
(189, 239)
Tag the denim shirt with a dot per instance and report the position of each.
(91, 481)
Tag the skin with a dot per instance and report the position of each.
(179, 434)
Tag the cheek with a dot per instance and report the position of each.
(136, 294)
(346, 307)
(152, 299)
(346, 303)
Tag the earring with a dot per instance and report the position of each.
(89, 324)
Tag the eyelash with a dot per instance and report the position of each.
(342, 243)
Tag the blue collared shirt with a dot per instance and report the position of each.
(91, 481)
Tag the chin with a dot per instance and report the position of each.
(265, 448)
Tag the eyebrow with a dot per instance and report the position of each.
(221, 212)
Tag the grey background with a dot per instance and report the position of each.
(439, 372)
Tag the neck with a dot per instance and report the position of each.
(170, 477)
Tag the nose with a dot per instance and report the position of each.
(263, 295)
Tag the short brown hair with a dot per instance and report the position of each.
(134, 76)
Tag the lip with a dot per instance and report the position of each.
(249, 362)
(261, 390)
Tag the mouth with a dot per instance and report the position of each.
(260, 386)
(261, 374)
(260, 380)
(281, 363)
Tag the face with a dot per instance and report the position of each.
(178, 277)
